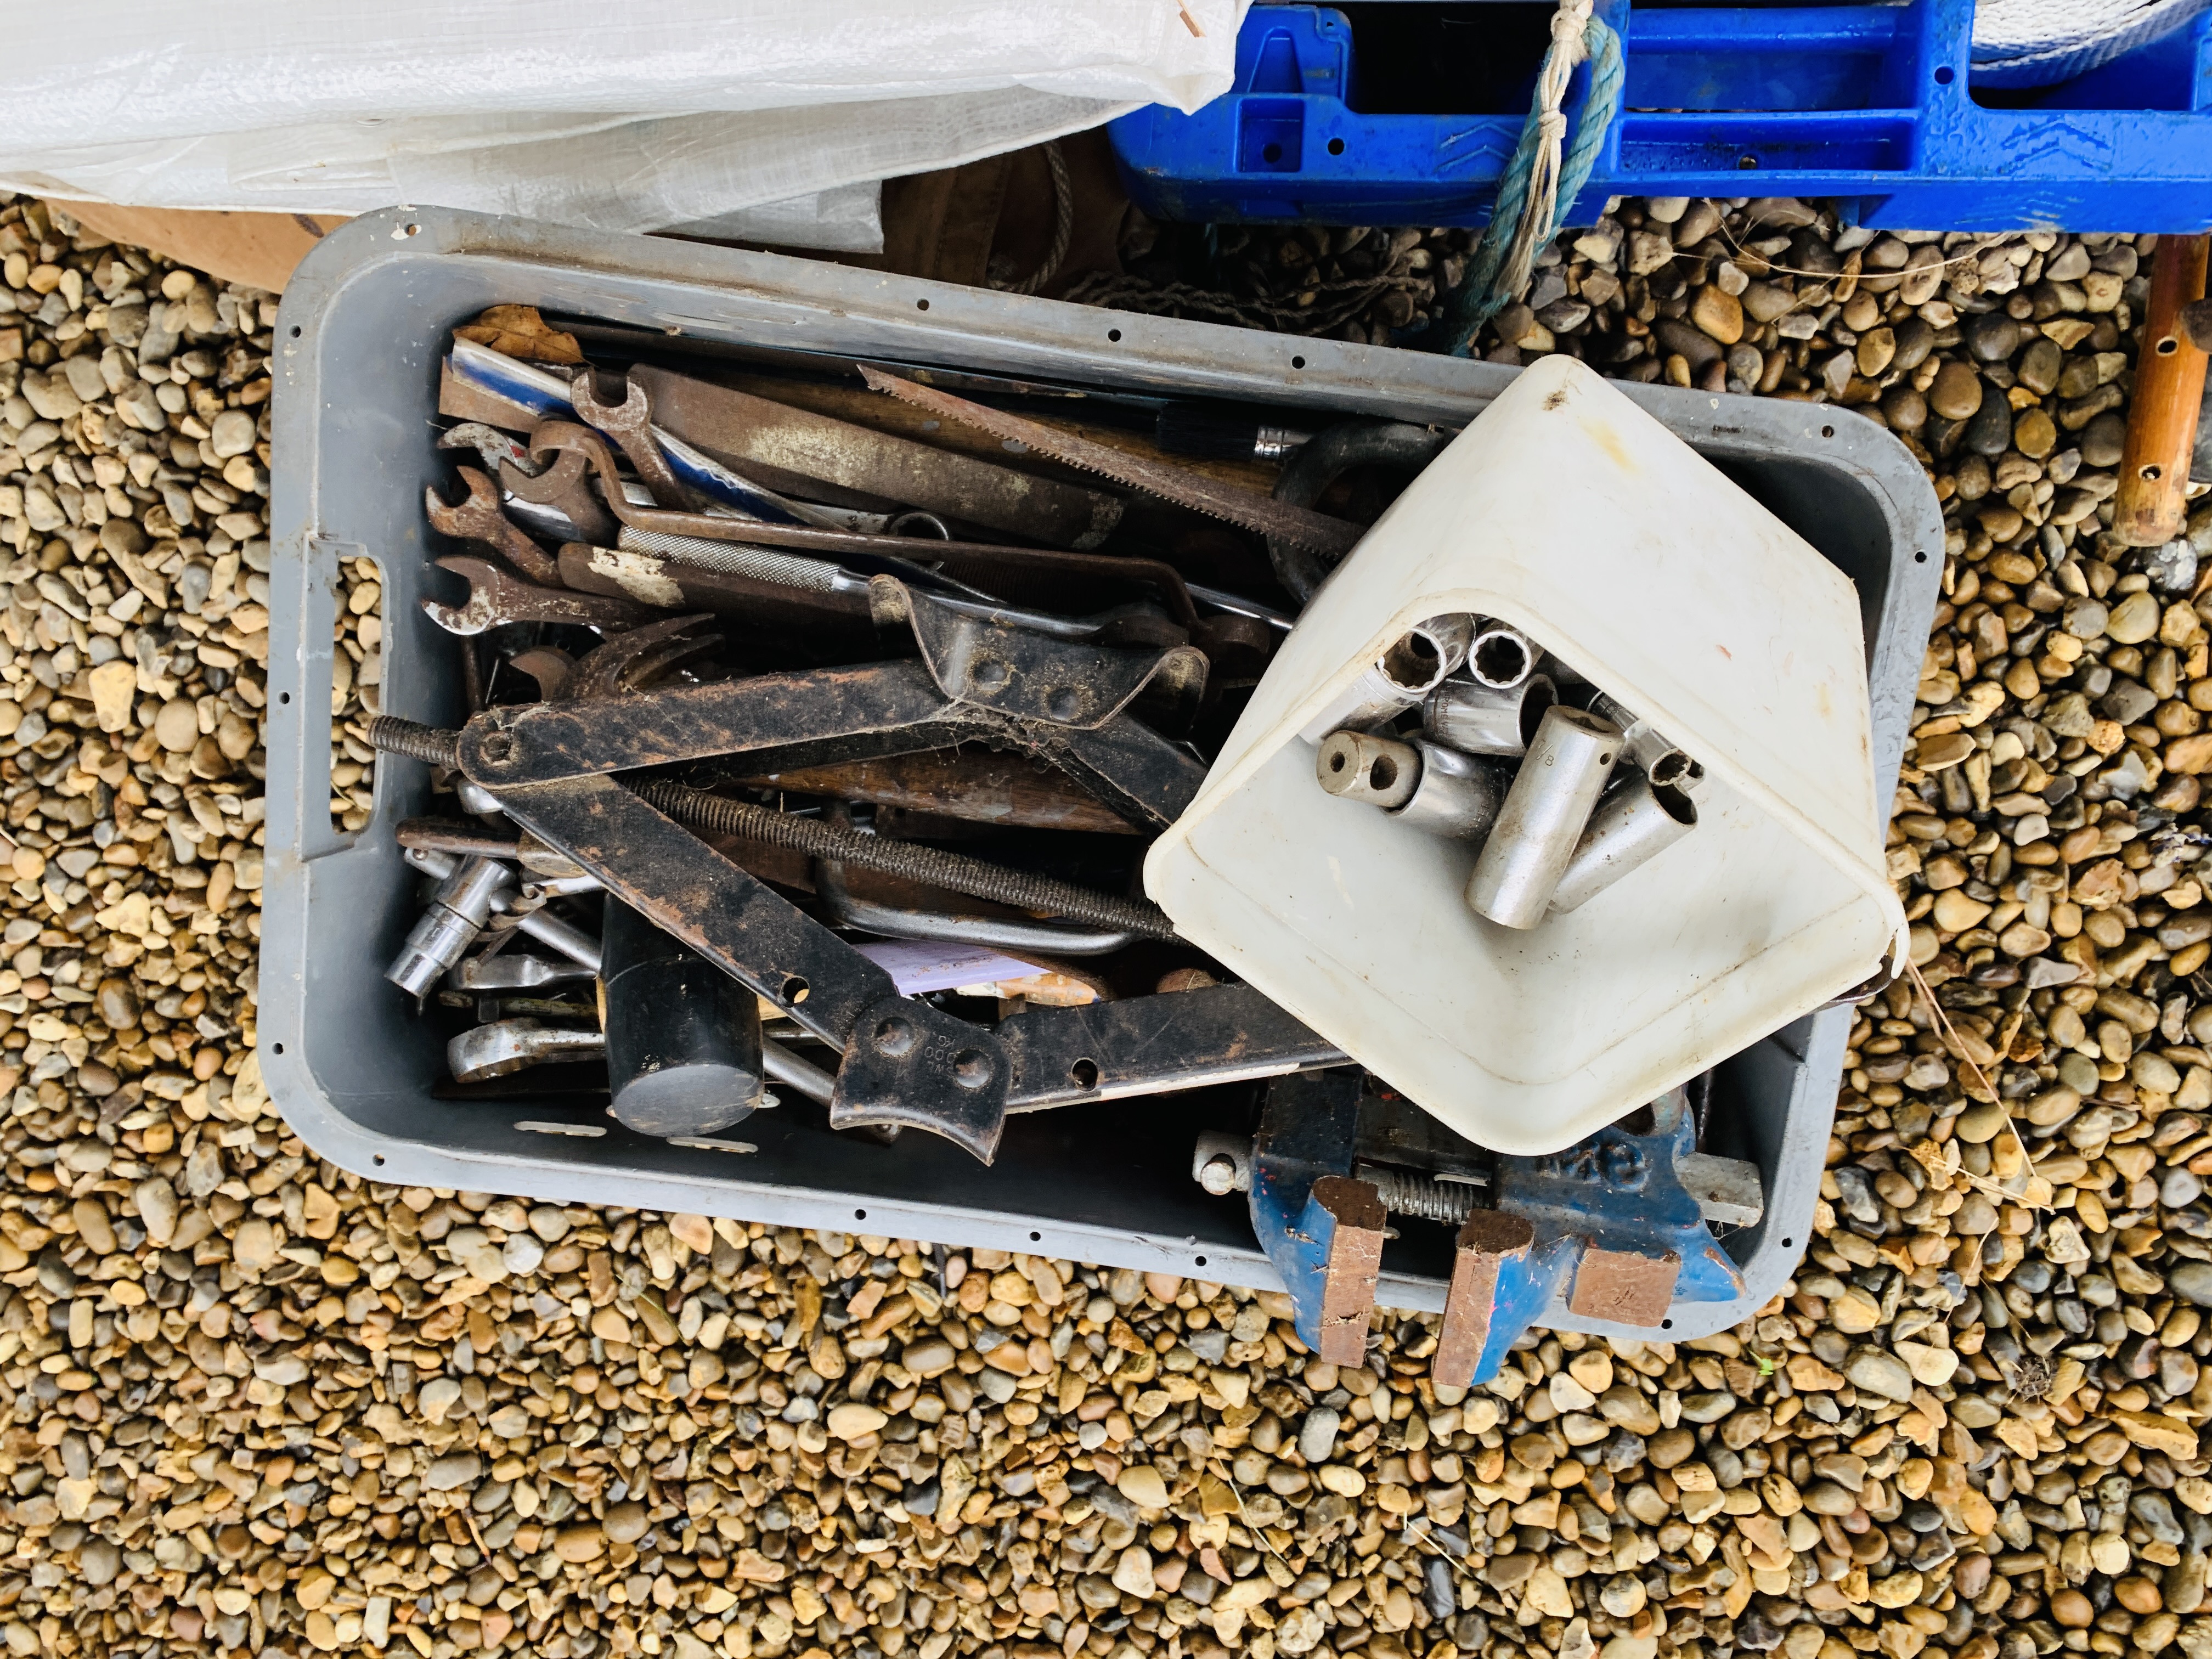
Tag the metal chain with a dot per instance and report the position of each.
(1334, 303)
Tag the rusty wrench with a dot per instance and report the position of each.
(629, 423)
(489, 442)
(477, 518)
(497, 595)
(564, 487)
(632, 661)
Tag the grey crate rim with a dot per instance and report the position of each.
(333, 905)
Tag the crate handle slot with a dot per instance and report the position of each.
(308, 701)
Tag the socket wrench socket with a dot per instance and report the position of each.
(1545, 812)
(572, 942)
(1411, 666)
(1428, 653)
(1500, 656)
(444, 932)
(1487, 719)
(1458, 797)
(1632, 824)
(1667, 765)
(1357, 766)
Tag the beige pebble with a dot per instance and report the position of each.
(580, 1544)
(177, 727)
(626, 1523)
(253, 1247)
(1143, 1485)
(608, 1324)
(1344, 1481)
(695, 1232)
(1930, 1365)
(2134, 619)
(1719, 313)
(114, 687)
(1955, 912)
(850, 1421)
(1133, 1572)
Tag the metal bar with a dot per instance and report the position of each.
(540, 742)
(1130, 768)
(1174, 483)
(1153, 1045)
(802, 1076)
(736, 428)
(654, 864)
(1011, 933)
(987, 786)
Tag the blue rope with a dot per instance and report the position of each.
(1480, 297)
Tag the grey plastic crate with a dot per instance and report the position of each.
(363, 326)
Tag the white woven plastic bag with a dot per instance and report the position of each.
(637, 117)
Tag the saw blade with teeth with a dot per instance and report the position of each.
(1297, 525)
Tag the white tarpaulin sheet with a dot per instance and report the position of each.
(619, 117)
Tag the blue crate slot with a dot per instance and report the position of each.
(1871, 103)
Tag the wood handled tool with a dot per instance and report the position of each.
(2151, 504)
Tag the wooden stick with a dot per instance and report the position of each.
(2151, 504)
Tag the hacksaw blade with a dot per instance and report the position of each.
(1299, 525)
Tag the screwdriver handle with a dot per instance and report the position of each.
(2150, 505)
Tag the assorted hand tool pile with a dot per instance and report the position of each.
(820, 712)
(1499, 758)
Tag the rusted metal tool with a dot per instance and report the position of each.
(979, 785)
(565, 486)
(477, 383)
(508, 1045)
(496, 597)
(629, 423)
(1087, 581)
(552, 767)
(636, 659)
(477, 518)
(1299, 525)
(799, 446)
(496, 448)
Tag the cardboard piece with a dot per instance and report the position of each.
(256, 249)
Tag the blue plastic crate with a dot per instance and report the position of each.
(1871, 103)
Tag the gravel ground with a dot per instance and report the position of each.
(251, 1401)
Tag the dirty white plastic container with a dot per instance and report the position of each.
(1567, 510)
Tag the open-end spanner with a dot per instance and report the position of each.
(632, 660)
(865, 554)
(629, 423)
(477, 518)
(489, 442)
(565, 486)
(497, 595)
(547, 665)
